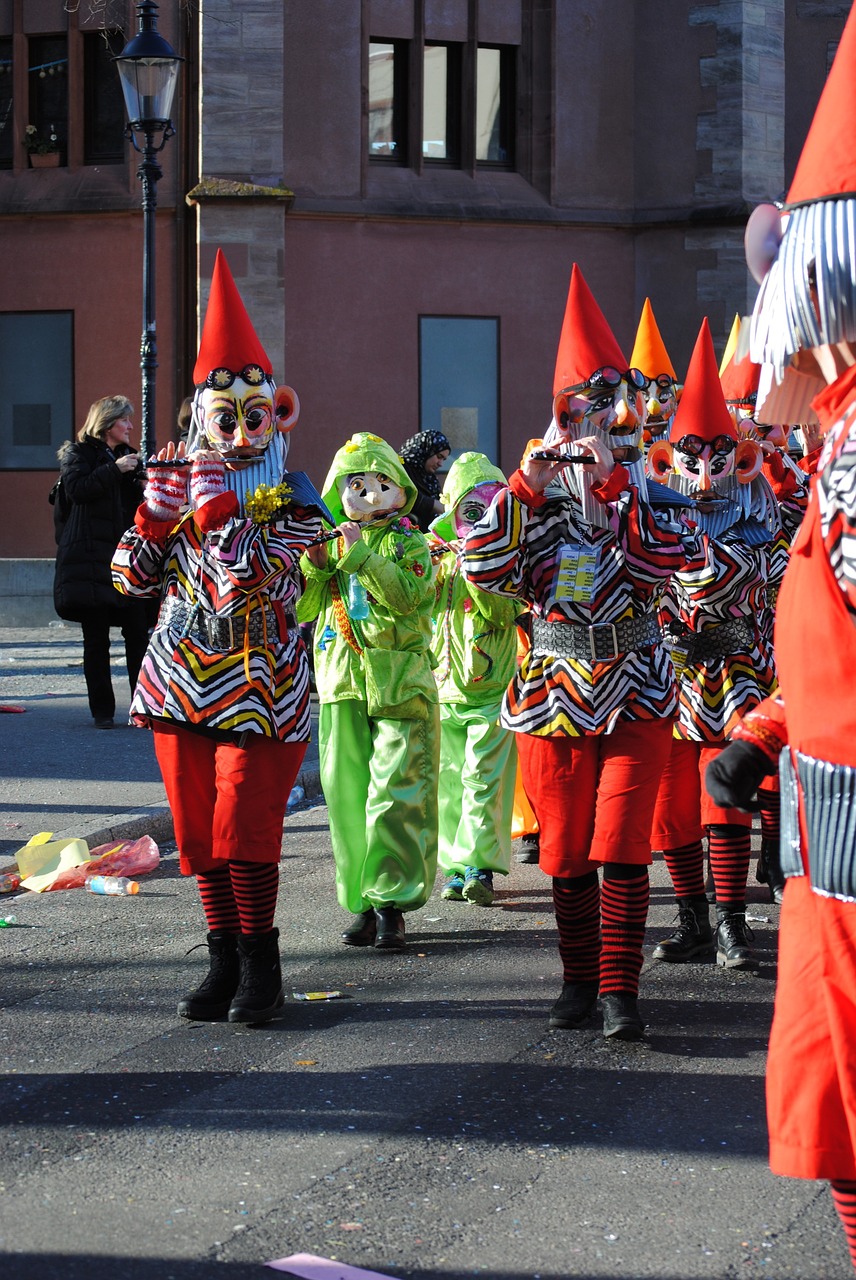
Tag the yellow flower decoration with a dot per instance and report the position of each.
(265, 504)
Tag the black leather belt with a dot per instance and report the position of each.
(224, 633)
(734, 636)
(599, 643)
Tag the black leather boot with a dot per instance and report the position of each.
(390, 929)
(769, 870)
(362, 930)
(693, 936)
(259, 993)
(621, 1020)
(734, 938)
(574, 1006)
(212, 997)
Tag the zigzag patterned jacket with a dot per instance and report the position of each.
(514, 551)
(229, 567)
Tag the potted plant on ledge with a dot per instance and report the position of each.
(43, 148)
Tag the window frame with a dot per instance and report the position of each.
(400, 156)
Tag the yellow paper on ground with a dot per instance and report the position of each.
(42, 860)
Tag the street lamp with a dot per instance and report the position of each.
(148, 70)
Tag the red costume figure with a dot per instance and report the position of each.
(723, 659)
(593, 700)
(804, 324)
(225, 680)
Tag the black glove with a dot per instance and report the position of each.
(734, 776)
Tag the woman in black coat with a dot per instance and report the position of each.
(423, 455)
(101, 482)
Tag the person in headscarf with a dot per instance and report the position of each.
(423, 455)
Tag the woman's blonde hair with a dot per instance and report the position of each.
(102, 414)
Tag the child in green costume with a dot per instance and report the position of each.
(475, 644)
(372, 592)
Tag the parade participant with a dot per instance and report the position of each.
(595, 695)
(423, 455)
(225, 682)
(475, 646)
(649, 354)
(372, 592)
(723, 660)
(804, 324)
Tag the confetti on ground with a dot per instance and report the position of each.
(310, 1267)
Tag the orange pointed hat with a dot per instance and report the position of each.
(827, 165)
(586, 342)
(702, 410)
(649, 353)
(228, 340)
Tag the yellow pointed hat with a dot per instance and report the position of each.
(649, 350)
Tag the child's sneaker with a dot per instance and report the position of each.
(453, 889)
(478, 887)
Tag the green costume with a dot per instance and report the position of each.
(475, 645)
(379, 723)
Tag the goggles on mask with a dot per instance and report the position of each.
(694, 446)
(221, 379)
(664, 381)
(610, 377)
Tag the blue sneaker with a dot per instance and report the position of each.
(478, 887)
(453, 889)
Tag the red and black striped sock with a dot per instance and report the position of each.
(218, 901)
(255, 886)
(576, 900)
(770, 815)
(730, 849)
(844, 1199)
(686, 868)
(624, 912)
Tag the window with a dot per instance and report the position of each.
(104, 106)
(495, 103)
(48, 88)
(38, 415)
(441, 103)
(5, 103)
(388, 100)
(465, 116)
(459, 381)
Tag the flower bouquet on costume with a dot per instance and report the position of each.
(269, 503)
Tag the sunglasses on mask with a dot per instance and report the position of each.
(663, 381)
(221, 379)
(695, 445)
(611, 378)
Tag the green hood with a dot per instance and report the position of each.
(467, 471)
(366, 452)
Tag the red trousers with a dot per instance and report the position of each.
(594, 797)
(227, 801)
(684, 809)
(811, 1066)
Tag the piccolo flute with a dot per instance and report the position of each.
(330, 534)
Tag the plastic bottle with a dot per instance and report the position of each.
(9, 882)
(8, 921)
(111, 884)
(295, 796)
(358, 601)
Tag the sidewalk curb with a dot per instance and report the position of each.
(156, 820)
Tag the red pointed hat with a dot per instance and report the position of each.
(739, 380)
(649, 353)
(229, 340)
(586, 342)
(827, 165)
(702, 410)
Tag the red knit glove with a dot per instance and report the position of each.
(166, 492)
(207, 480)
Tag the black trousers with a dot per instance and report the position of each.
(133, 620)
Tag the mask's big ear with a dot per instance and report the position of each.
(748, 460)
(762, 238)
(659, 461)
(286, 408)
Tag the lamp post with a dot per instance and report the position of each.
(148, 70)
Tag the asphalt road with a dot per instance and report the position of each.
(425, 1124)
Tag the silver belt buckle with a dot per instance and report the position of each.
(593, 641)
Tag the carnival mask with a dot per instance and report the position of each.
(473, 505)
(237, 415)
(368, 495)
